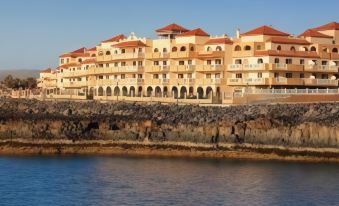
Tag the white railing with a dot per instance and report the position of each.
(280, 66)
(234, 66)
(253, 66)
(291, 91)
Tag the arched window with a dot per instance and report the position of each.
(292, 48)
(174, 49)
(247, 48)
(108, 53)
(182, 48)
(260, 61)
(218, 48)
(237, 48)
(258, 47)
(192, 48)
(208, 49)
(116, 52)
(100, 53)
(325, 49)
(279, 48)
(313, 49)
(123, 51)
(80, 60)
(164, 50)
(156, 50)
(276, 60)
(93, 55)
(335, 50)
(305, 49)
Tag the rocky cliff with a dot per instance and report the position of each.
(289, 125)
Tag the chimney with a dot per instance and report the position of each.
(238, 33)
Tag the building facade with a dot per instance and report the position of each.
(191, 64)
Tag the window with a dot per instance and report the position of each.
(180, 76)
(107, 65)
(288, 75)
(217, 75)
(100, 53)
(302, 61)
(164, 76)
(164, 50)
(107, 76)
(218, 48)
(174, 49)
(276, 61)
(238, 75)
(247, 48)
(62, 80)
(208, 48)
(164, 63)
(140, 63)
(335, 50)
(115, 76)
(324, 76)
(276, 75)
(67, 60)
(108, 53)
(288, 61)
(189, 75)
(208, 76)
(183, 48)
(323, 62)
(258, 47)
(134, 63)
(192, 48)
(237, 48)
(209, 62)
(62, 61)
(140, 50)
(155, 76)
(279, 48)
(292, 48)
(123, 64)
(101, 65)
(238, 61)
(101, 77)
(139, 76)
(313, 49)
(80, 60)
(302, 75)
(259, 75)
(156, 63)
(133, 76)
(116, 64)
(260, 61)
(122, 76)
(123, 51)
(189, 62)
(156, 50)
(218, 61)
(181, 62)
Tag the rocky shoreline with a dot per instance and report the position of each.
(307, 132)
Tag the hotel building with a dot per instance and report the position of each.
(193, 66)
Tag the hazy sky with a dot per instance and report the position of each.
(33, 33)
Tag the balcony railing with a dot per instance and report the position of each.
(210, 68)
(183, 68)
(183, 54)
(163, 68)
(322, 68)
(321, 82)
(158, 55)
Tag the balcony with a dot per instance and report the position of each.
(266, 66)
(325, 55)
(335, 56)
(183, 68)
(286, 81)
(139, 55)
(235, 81)
(237, 54)
(321, 68)
(207, 82)
(234, 67)
(157, 82)
(158, 55)
(320, 82)
(183, 54)
(76, 73)
(211, 54)
(75, 84)
(184, 81)
(115, 70)
(210, 68)
(157, 69)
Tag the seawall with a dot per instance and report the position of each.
(286, 130)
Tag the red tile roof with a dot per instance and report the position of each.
(286, 40)
(172, 28)
(302, 54)
(115, 38)
(76, 53)
(69, 65)
(92, 49)
(330, 26)
(81, 50)
(194, 32)
(223, 40)
(48, 70)
(265, 30)
(313, 33)
(136, 43)
(89, 61)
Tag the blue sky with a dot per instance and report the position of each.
(33, 33)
